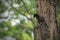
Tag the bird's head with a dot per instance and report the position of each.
(36, 15)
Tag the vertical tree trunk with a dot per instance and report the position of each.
(47, 10)
(37, 33)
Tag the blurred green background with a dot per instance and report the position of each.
(19, 22)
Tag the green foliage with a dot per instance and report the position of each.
(2, 7)
(58, 15)
(24, 28)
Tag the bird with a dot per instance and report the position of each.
(39, 18)
(43, 26)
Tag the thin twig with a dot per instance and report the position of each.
(22, 13)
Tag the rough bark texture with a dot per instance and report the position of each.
(37, 33)
(47, 10)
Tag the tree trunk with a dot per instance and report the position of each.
(47, 10)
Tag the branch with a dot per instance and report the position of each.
(25, 6)
(22, 13)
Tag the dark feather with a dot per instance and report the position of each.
(39, 18)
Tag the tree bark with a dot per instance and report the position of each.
(47, 10)
(37, 33)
